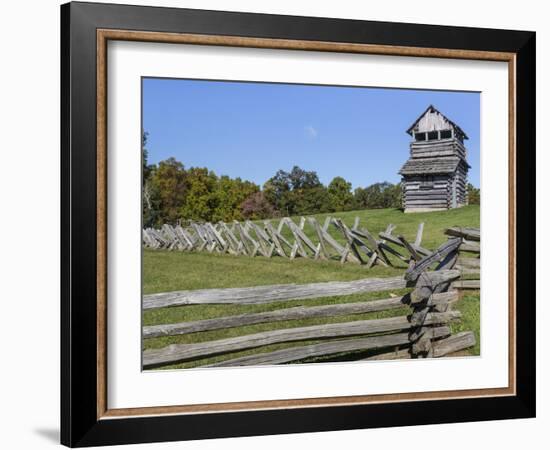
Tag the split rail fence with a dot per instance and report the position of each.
(289, 240)
(424, 331)
(469, 258)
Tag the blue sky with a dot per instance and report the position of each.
(251, 130)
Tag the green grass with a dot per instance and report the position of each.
(469, 306)
(377, 220)
(165, 271)
(169, 271)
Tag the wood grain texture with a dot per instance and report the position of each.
(472, 234)
(472, 247)
(290, 44)
(428, 282)
(295, 313)
(454, 343)
(326, 348)
(427, 261)
(101, 224)
(273, 293)
(466, 284)
(182, 352)
(470, 263)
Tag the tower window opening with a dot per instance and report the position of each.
(433, 135)
(420, 136)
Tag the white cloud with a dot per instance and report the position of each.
(311, 131)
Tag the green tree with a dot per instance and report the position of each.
(228, 196)
(473, 194)
(168, 182)
(294, 192)
(312, 201)
(392, 196)
(339, 191)
(303, 179)
(276, 190)
(378, 195)
(361, 198)
(200, 200)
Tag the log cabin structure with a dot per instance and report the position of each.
(434, 176)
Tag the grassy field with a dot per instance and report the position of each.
(168, 271)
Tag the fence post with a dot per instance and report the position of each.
(421, 344)
(421, 303)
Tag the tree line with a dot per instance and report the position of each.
(173, 193)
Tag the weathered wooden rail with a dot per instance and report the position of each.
(294, 313)
(469, 267)
(289, 239)
(274, 293)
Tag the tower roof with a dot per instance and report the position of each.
(432, 120)
(429, 166)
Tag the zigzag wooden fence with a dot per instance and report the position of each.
(423, 332)
(289, 240)
(469, 267)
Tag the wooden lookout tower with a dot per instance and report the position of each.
(434, 176)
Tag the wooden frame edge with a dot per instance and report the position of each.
(103, 36)
(289, 44)
(101, 190)
(260, 405)
(512, 270)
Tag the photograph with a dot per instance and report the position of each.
(297, 224)
(270, 224)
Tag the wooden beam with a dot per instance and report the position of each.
(418, 239)
(350, 241)
(272, 293)
(295, 313)
(471, 234)
(454, 343)
(273, 236)
(466, 284)
(471, 263)
(428, 282)
(326, 348)
(375, 246)
(319, 232)
(427, 261)
(472, 247)
(410, 249)
(182, 352)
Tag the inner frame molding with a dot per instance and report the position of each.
(105, 35)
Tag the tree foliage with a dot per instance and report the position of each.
(341, 198)
(173, 194)
(296, 192)
(229, 195)
(169, 182)
(473, 194)
(256, 206)
(378, 195)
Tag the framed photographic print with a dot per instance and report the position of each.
(274, 224)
